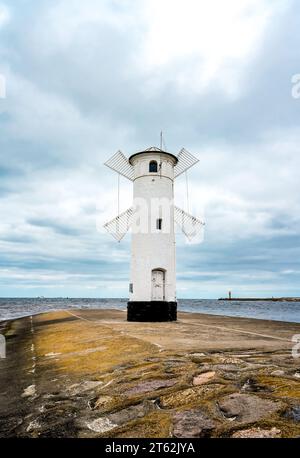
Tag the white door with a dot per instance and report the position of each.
(158, 285)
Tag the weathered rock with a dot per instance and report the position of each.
(190, 395)
(101, 425)
(79, 388)
(102, 402)
(242, 355)
(131, 413)
(55, 422)
(111, 421)
(175, 361)
(172, 366)
(226, 367)
(192, 423)
(33, 425)
(9, 425)
(196, 355)
(150, 385)
(203, 378)
(244, 408)
(253, 433)
(231, 375)
(229, 360)
(293, 413)
(252, 386)
(277, 373)
(29, 391)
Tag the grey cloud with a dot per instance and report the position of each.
(55, 226)
(71, 106)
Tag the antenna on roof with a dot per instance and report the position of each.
(162, 142)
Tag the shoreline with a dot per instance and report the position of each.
(3, 320)
(262, 299)
(90, 373)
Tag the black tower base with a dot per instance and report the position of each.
(152, 311)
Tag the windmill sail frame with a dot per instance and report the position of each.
(190, 225)
(185, 161)
(120, 164)
(119, 226)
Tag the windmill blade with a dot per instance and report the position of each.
(119, 226)
(185, 161)
(119, 163)
(190, 226)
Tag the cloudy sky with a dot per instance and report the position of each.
(86, 78)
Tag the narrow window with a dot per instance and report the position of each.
(131, 287)
(153, 167)
(159, 224)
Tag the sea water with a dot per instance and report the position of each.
(11, 308)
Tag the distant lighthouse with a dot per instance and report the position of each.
(152, 288)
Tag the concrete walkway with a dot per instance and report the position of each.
(90, 373)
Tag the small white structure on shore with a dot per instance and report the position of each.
(153, 259)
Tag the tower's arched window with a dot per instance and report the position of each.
(153, 167)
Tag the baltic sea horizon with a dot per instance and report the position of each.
(13, 308)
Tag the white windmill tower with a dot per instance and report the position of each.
(151, 219)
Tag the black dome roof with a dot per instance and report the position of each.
(154, 149)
